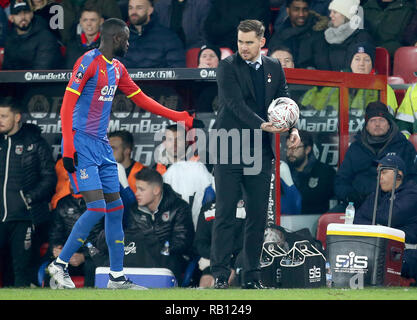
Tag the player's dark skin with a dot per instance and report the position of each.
(114, 42)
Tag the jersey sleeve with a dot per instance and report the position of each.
(126, 84)
(80, 74)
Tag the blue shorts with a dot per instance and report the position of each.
(97, 168)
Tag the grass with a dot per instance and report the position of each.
(392, 293)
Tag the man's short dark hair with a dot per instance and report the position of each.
(252, 25)
(90, 7)
(125, 136)
(289, 2)
(112, 27)
(306, 138)
(150, 176)
(280, 48)
(10, 102)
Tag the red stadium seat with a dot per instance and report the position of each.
(191, 57)
(395, 80)
(1, 57)
(322, 223)
(399, 93)
(382, 61)
(43, 249)
(405, 64)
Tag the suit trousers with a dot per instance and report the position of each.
(230, 181)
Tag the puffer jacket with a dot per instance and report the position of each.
(171, 222)
(404, 214)
(27, 176)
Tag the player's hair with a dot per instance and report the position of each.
(125, 136)
(111, 27)
(252, 25)
(150, 176)
(10, 102)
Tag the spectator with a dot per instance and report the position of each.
(312, 178)
(72, 13)
(202, 241)
(28, 179)
(68, 209)
(159, 215)
(123, 145)
(3, 27)
(410, 32)
(186, 18)
(405, 115)
(355, 179)
(209, 56)
(30, 45)
(225, 15)
(404, 214)
(387, 21)
(302, 32)
(361, 59)
(319, 6)
(343, 32)
(151, 45)
(90, 22)
(180, 167)
(284, 55)
(47, 10)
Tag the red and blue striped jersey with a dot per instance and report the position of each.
(95, 79)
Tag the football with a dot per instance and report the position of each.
(283, 112)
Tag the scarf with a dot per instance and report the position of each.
(378, 144)
(338, 35)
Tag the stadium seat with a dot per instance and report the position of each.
(405, 64)
(399, 93)
(1, 57)
(191, 57)
(395, 80)
(43, 249)
(264, 51)
(382, 61)
(322, 223)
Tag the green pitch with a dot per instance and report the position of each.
(398, 293)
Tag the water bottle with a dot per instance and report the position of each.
(349, 213)
(92, 250)
(329, 276)
(165, 249)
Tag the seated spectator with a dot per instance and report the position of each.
(224, 16)
(208, 56)
(410, 33)
(90, 22)
(405, 115)
(4, 26)
(47, 10)
(159, 215)
(151, 45)
(67, 211)
(312, 178)
(122, 144)
(404, 214)
(179, 165)
(185, 18)
(356, 177)
(284, 55)
(72, 10)
(342, 33)
(302, 32)
(202, 241)
(387, 21)
(30, 45)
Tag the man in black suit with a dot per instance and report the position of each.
(245, 92)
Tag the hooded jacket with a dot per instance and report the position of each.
(38, 49)
(404, 214)
(27, 176)
(356, 177)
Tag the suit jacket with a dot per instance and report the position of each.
(237, 100)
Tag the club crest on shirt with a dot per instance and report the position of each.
(83, 174)
(313, 182)
(78, 77)
(19, 149)
(165, 216)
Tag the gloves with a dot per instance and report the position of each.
(70, 163)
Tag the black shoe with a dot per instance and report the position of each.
(256, 284)
(221, 283)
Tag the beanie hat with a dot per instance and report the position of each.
(361, 47)
(393, 161)
(377, 109)
(348, 8)
(212, 47)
